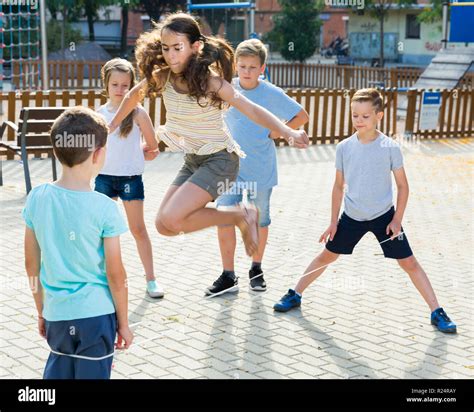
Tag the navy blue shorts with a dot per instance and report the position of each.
(350, 232)
(91, 337)
(124, 187)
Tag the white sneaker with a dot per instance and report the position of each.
(154, 290)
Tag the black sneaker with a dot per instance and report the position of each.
(225, 283)
(257, 282)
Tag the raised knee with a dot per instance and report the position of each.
(165, 225)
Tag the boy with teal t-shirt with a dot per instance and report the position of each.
(72, 246)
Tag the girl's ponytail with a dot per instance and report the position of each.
(149, 57)
(216, 57)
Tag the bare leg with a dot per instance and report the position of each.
(159, 226)
(262, 243)
(185, 212)
(315, 269)
(420, 280)
(227, 244)
(136, 222)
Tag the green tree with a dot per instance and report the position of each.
(59, 34)
(156, 8)
(433, 13)
(296, 29)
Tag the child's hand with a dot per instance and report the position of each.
(42, 327)
(395, 227)
(330, 232)
(298, 138)
(150, 154)
(124, 334)
(274, 135)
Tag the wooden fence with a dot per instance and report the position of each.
(456, 116)
(329, 111)
(86, 75)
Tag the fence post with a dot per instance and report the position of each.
(300, 75)
(16, 74)
(345, 75)
(411, 111)
(80, 74)
(393, 77)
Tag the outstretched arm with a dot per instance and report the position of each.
(146, 127)
(298, 120)
(257, 113)
(129, 102)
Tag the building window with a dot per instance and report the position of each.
(413, 27)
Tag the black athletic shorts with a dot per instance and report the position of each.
(350, 232)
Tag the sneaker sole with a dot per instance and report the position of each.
(258, 288)
(285, 310)
(233, 289)
(450, 330)
(155, 296)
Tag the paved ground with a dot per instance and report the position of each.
(362, 319)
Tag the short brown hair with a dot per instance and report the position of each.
(76, 133)
(252, 47)
(369, 95)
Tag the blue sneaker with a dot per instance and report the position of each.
(289, 301)
(441, 320)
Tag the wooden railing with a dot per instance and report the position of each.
(329, 111)
(86, 75)
(332, 76)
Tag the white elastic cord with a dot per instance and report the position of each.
(304, 274)
(383, 241)
(222, 292)
(83, 357)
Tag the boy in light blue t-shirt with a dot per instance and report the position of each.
(258, 170)
(365, 163)
(72, 246)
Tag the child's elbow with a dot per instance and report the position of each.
(304, 116)
(403, 187)
(31, 264)
(117, 277)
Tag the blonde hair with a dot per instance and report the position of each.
(124, 66)
(369, 95)
(252, 47)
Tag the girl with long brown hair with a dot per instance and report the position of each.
(193, 73)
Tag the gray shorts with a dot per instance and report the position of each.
(214, 173)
